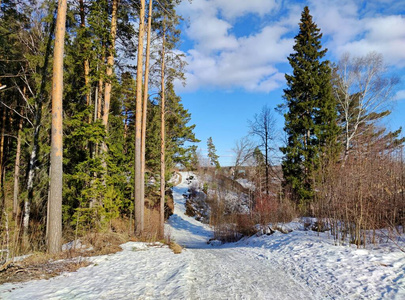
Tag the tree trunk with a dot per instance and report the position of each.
(109, 72)
(55, 199)
(139, 201)
(86, 64)
(162, 138)
(2, 195)
(39, 101)
(97, 103)
(17, 168)
(3, 126)
(145, 100)
(267, 159)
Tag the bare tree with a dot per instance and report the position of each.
(263, 126)
(55, 196)
(363, 89)
(243, 153)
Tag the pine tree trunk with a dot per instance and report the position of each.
(86, 64)
(139, 201)
(109, 72)
(162, 139)
(55, 198)
(145, 100)
(17, 168)
(97, 103)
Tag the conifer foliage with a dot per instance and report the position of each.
(102, 97)
(310, 122)
(212, 153)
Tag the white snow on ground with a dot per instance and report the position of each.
(298, 265)
(246, 183)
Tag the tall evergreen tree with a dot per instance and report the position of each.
(179, 134)
(212, 153)
(310, 123)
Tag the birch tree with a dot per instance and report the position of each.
(363, 90)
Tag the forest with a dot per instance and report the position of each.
(111, 101)
(92, 131)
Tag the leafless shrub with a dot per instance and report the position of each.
(364, 194)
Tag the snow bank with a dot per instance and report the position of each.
(333, 271)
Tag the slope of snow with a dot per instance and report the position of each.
(298, 265)
(185, 230)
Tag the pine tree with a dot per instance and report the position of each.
(56, 173)
(310, 123)
(139, 201)
(179, 134)
(212, 153)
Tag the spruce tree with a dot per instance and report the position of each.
(310, 122)
(212, 153)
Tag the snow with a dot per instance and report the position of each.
(76, 244)
(298, 265)
(246, 183)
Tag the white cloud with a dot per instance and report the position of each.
(220, 59)
(337, 19)
(361, 30)
(400, 95)
(236, 8)
(211, 34)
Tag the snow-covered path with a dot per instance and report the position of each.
(299, 265)
(226, 272)
(201, 271)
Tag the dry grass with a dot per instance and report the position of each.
(39, 266)
(152, 225)
(176, 248)
(102, 243)
(44, 266)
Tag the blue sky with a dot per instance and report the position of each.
(237, 56)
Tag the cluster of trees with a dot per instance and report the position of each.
(338, 162)
(116, 143)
